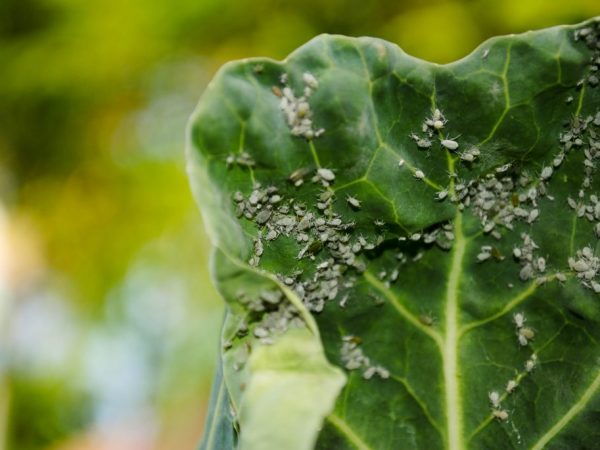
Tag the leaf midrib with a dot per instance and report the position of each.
(450, 352)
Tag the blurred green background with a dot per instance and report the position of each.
(108, 321)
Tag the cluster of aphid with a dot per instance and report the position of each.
(495, 398)
(323, 237)
(591, 36)
(495, 202)
(434, 125)
(354, 358)
(277, 322)
(276, 317)
(296, 110)
(441, 235)
(587, 268)
(524, 334)
(531, 265)
(243, 159)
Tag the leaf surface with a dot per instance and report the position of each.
(434, 227)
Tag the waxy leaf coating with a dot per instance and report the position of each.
(433, 230)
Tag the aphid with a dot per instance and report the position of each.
(297, 175)
(519, 319)
(558, 159)
(527, 333)
(533, 214)
(500, 414)
(426, 319)
(450, 144)
(353, 202)
(383, 373)
(310, 80)
(541, 263)
(326, 174)
(343, 301)
(526, 272)
(467, 157)
(546, 173)
(488, 227)
(531, 363)
(579, 265)
(260, 332)
(511, 386)
(438, 124)
(419, 175)
(522, 340)
(494, 398)
(503, 168)
(483, 256)
(369, 372)
(441, 195)
(263, 216)
(423, 143)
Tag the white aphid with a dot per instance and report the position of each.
(326, 174)
(522, 340)
(533, 214)
(354, 202)
(531, 363)
(485, 53)
(500, 414)
(441, 195)
(310, 80)
(517, 252)
(438, 124)
(546, 173)
(494, 398)
(527, 333)
(519, 319)
(450, 144)
(400, 163)
(511, 386)
(541, 264)
(419, 175)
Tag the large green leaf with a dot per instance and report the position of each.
(434, 227)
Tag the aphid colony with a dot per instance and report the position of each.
(296, 110)
(524, 333)
(495, 398)
(243, 159)
(591, 36)
(354, 358)
(531, 264)
(587, 268)
(442, 235)
(323, 237)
